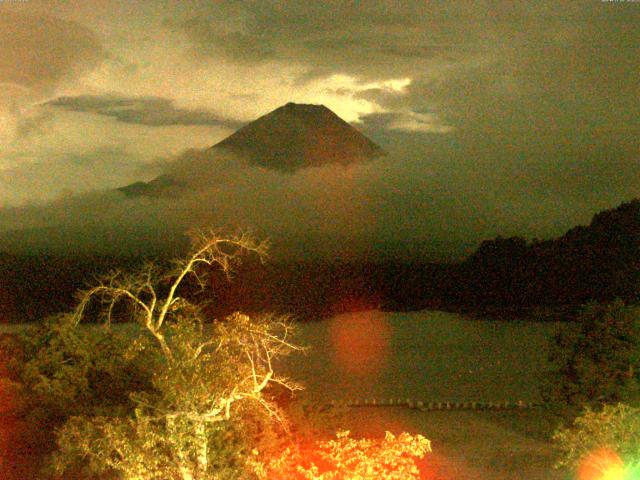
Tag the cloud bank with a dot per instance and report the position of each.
(500, 117)
(408, 204)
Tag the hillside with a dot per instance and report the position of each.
(505, 276)
(600, 262)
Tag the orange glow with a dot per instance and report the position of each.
(437, 467)
(602, 464)
(345, 456)
(360, 342)
(10, 431)
(374, 422)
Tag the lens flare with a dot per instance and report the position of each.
(360, 342)
(603, 464)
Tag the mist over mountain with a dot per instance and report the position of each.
(290, 138)
(300, 176)
(422, 200)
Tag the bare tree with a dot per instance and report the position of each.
(199, 372)
(141, 288)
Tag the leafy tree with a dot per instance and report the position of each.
(602, 443)
(57, 370)
(596, 361)
(172, 398)
(345, 458)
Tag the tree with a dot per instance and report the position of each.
(199, 394)
(596, 361)
(602, 444)
(344, 458)
(172, 397)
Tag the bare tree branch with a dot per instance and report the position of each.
(201, 374)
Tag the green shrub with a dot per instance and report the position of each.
(596, 361)
(602, 442)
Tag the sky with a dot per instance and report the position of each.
(498, 117)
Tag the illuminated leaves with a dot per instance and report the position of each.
(346, 458)
(183, 387)
(601, 442)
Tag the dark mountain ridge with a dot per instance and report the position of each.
(597, 262)
(504, 277)
(159, 186)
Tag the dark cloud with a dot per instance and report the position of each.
(152, 111)
(378, 38)
(526, 64)
(371, 39)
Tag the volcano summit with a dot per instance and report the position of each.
(289, 138)
(296, 136)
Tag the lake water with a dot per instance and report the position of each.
(427, 355)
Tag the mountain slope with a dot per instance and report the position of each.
(599, 262)
(289, 138)
(298, 136)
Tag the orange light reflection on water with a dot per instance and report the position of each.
(360, 342)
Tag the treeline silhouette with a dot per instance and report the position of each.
(504, 277)
(599, 262)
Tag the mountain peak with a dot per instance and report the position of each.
(291, 137)
(296, 136)
(300, 107)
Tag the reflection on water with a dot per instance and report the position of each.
(431, 356)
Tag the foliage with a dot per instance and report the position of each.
(606, 439)
(173, 398)
(345, 458)
(189, 425)
(596, 362)
(65, 371)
